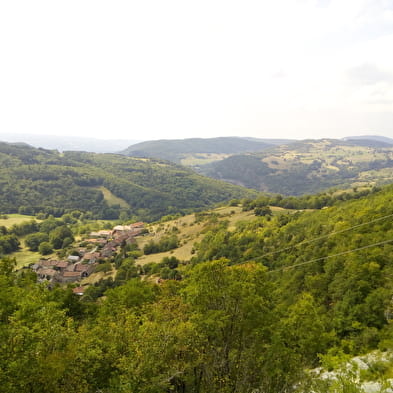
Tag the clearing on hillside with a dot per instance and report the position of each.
(112, 199)
(14, 219)
(190, 229)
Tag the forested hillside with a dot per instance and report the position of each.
(340, 256)
(259, 304)
(37, 180)
(308, 166)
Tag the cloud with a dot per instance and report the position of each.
(315, 3)
(280, 74)
(381, 96)
(165, 68)
(369, 74)
(371, 85)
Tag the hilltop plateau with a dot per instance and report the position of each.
(198, 151)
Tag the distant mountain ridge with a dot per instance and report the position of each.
(183, 150)
(197, 152)
(71, 143)
(308, 166)
(377, 138)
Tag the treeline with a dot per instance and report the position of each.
(166, 243)
(317, 201)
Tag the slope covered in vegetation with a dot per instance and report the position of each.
(307, 167)
(341, 257)
(259, 303)
(37, 180)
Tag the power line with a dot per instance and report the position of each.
(283, 268)
(319, 238)
(330, 256)
(325, 236)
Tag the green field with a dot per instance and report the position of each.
(24, 257)
(95, 277)
(197, 159)
(112, 199)
(14, 219)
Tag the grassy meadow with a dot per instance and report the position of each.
(12, 219)
(112, 199)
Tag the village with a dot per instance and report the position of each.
(97, 248)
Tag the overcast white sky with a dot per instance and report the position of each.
(177, 69)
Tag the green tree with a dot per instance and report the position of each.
(38, 352)
(58, 235)
(8, 244)
(45, 248)
(34, 240)
(263, 211)
(306, 329)
(234, 313)
(127, 270)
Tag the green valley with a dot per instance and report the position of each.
(280, 166)
(102, 185)
(308, 167)
(196, 196)
(265, 293)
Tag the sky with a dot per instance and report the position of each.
(157, 69)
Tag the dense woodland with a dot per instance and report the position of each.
(42, 181)
(254, 310)
(353, 289)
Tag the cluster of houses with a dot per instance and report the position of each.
(97, 248)
(62, 271)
